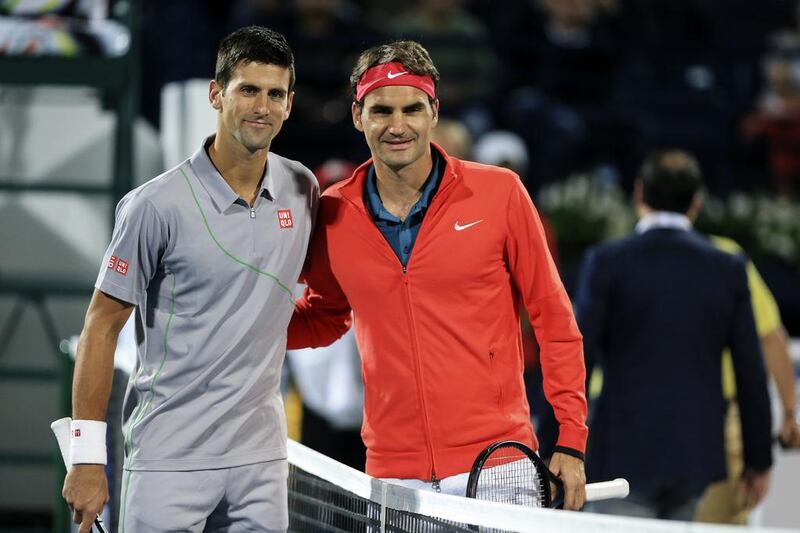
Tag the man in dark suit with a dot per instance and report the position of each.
(656, 310)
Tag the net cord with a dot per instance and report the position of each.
(485, 513)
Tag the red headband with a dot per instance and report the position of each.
(392, 74)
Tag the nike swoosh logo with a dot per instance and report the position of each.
(392, 75)
(459, 227)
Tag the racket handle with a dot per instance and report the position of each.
(606, 490)
(61, 429)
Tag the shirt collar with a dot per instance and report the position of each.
(375, 204)
(221, 193)
(662, 220)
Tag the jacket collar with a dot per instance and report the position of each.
(663, 220)
(353, 188)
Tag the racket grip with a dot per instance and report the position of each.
(606, 490)
(61, 429)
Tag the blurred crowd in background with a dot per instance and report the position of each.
(584, 84)
(552, 88)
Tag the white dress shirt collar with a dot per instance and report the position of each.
(663, 219)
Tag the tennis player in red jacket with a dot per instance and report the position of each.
(433, 256)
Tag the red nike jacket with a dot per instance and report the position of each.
(440, 342)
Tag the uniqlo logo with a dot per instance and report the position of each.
(112, 262)
(122, 267)
(76, 433)
(285, 218)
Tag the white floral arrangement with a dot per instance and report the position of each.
(764, 226)
(585, 209)
(588, 208)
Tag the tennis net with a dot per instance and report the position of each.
(327, 496)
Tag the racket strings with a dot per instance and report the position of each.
(509, 476)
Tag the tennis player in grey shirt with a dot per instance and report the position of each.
(207, 254)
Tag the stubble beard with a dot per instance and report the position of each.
(254, 144)
(398, 161)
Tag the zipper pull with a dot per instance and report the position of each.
(435, 483)
(252, 212)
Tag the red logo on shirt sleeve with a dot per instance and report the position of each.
(112, 262)
(76, 433)
(285, 218)
(122, 267)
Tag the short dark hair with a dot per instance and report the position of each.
(253, 43)
(411, 54)
(670, 180)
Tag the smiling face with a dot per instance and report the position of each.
(252, 106)
(397, 122)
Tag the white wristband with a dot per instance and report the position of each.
(87, 444)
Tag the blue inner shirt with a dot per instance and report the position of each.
(401, 234)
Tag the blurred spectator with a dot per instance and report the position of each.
(562, 62)
(333, 171)
(378, 12)
(459, 44)
(453, 136)
(776, 119)
(61, 28)
(271, 13)
(672, 81)
(179, 42)
(576, 55)
(503, 149)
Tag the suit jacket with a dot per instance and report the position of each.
(656, 310)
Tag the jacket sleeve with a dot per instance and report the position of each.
(536, 278)
(751, 379)
(322, 314)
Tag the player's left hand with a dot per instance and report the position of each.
(570, 470)
(754, 487)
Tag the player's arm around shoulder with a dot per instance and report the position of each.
(85, 487)
(322, 314)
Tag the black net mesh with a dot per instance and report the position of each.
(319, 506)
(316, 505)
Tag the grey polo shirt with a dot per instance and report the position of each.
(212, 282)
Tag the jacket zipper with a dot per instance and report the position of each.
(428, 437)
(436, 202)
(420, 388)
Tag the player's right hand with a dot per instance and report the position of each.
(86, 493)
(790, 433)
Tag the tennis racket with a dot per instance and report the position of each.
(61, 430)
(510, 472)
